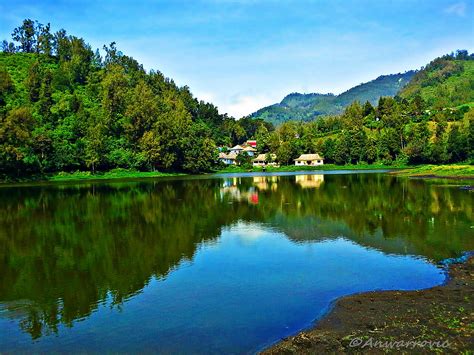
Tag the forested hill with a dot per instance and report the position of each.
(447, 81)
(307, 107)
(64, 107)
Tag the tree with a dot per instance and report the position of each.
(33, 81)
(63, 46)
(470, 132)
(200, 151)
(6, 85)
(15, 138)
(94, 146)
(439, 149)
(418, 148)
(45, 95)
(25, 36)
(368, 109)
(45, 40)
(142, 110)
(329, 150)
(151, 148)
(114, 93)
(8, 47)
(457, 144)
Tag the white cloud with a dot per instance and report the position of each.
(242, 105)
(206, 97)
(458, 9)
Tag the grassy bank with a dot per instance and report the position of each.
(87, 175)
(439, 171)
(422, 171)
(290, 168)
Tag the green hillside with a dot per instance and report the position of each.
(447, 81)
(306, 107)
(65, 107)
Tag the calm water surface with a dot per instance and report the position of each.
(222, 264)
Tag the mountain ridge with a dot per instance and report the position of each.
(306, 107)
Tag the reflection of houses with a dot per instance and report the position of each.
(230, 188)
(309, 181)
(262, 160)
(263, 183)
(309, 160)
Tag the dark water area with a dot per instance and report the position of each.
(217, 264)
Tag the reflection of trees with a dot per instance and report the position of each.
(433, 221)
(80, 245)
(67, 249)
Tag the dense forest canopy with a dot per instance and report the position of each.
(65, 107)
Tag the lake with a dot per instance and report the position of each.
(213, 264)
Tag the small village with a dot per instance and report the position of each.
(248, 150)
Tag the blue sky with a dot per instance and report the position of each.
(245, 54)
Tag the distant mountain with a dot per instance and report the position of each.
(307, 107)
(447, 81)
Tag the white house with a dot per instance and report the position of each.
(261, 160)
(249, 150)
(228, 159)
(309, 160)
(236, 150)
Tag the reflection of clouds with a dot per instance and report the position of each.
(249, 233)
(312, 181)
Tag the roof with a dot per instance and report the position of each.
(263, 157)
(304, 157)
(230, 156)
(237, 147)
(249, 149)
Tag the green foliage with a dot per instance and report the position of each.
(447, 81)
(307, 107)
(64, 108)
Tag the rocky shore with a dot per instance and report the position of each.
(439, 319)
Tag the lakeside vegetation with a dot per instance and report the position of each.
(466, 171)
(65, 108)
(291, 168)
(432, 171)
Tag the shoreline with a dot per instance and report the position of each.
(393, 321)
(452, 172)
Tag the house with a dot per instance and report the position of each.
(236, 150)
(249, 150)
(252, 144)
(309, 160)
(262, 160)
(228, 159)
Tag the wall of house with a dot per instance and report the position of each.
(312, 163)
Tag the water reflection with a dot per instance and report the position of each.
(66, 249)
(313, 181)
